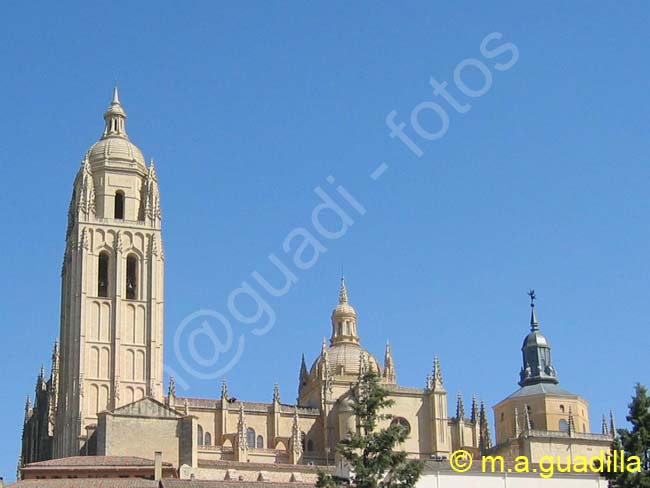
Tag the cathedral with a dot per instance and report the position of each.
(104, 395)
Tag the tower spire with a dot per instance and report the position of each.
(343, 292)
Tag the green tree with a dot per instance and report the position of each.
(370, 451)
(635, 442)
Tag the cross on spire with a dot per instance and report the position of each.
(534, 325)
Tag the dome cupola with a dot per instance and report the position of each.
(114, 146)
(344, 319)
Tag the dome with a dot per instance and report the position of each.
(535, 339)
(117, 149)
(345, 359)
(344, 310)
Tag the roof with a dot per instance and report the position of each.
(86, 483)
(541, 389)
(169, 483)
(94, 461)
(145, 407)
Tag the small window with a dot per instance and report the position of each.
(260, 442)
(250, 437)
(207, 439)
(102, 275)
(119, 205)
(131, 277)
(200, 435)
(564, 425)
(502, 416)
(562, 408)
(302, 440)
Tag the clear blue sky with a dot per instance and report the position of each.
(247, 108)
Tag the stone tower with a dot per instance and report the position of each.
(111, 338)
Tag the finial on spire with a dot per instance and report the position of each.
(534, 325)
(241, 429)
(224, 390)
(612, 425)
(171, 391)
(116, 95)
(604, 427)
(517, 426)
(527, 424)
(485, 442)
(343, 292)
(276, 393)
(460, 408)
(437, 373)
(474, 417)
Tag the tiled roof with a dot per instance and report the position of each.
(169, 483)
(302, 468)
(248, 406)
(87, 483)
(94, 461)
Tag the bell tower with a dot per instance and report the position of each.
(111, 335)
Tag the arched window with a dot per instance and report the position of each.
(260, 442)
(200, 435)
(119, 205)
(310, 445)
(131, 277)
(207, 439)
(102, 275)
(564, 425)
(250, 437)
(562, 408)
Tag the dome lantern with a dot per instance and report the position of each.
(115, 117)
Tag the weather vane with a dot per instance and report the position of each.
(533, 297)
